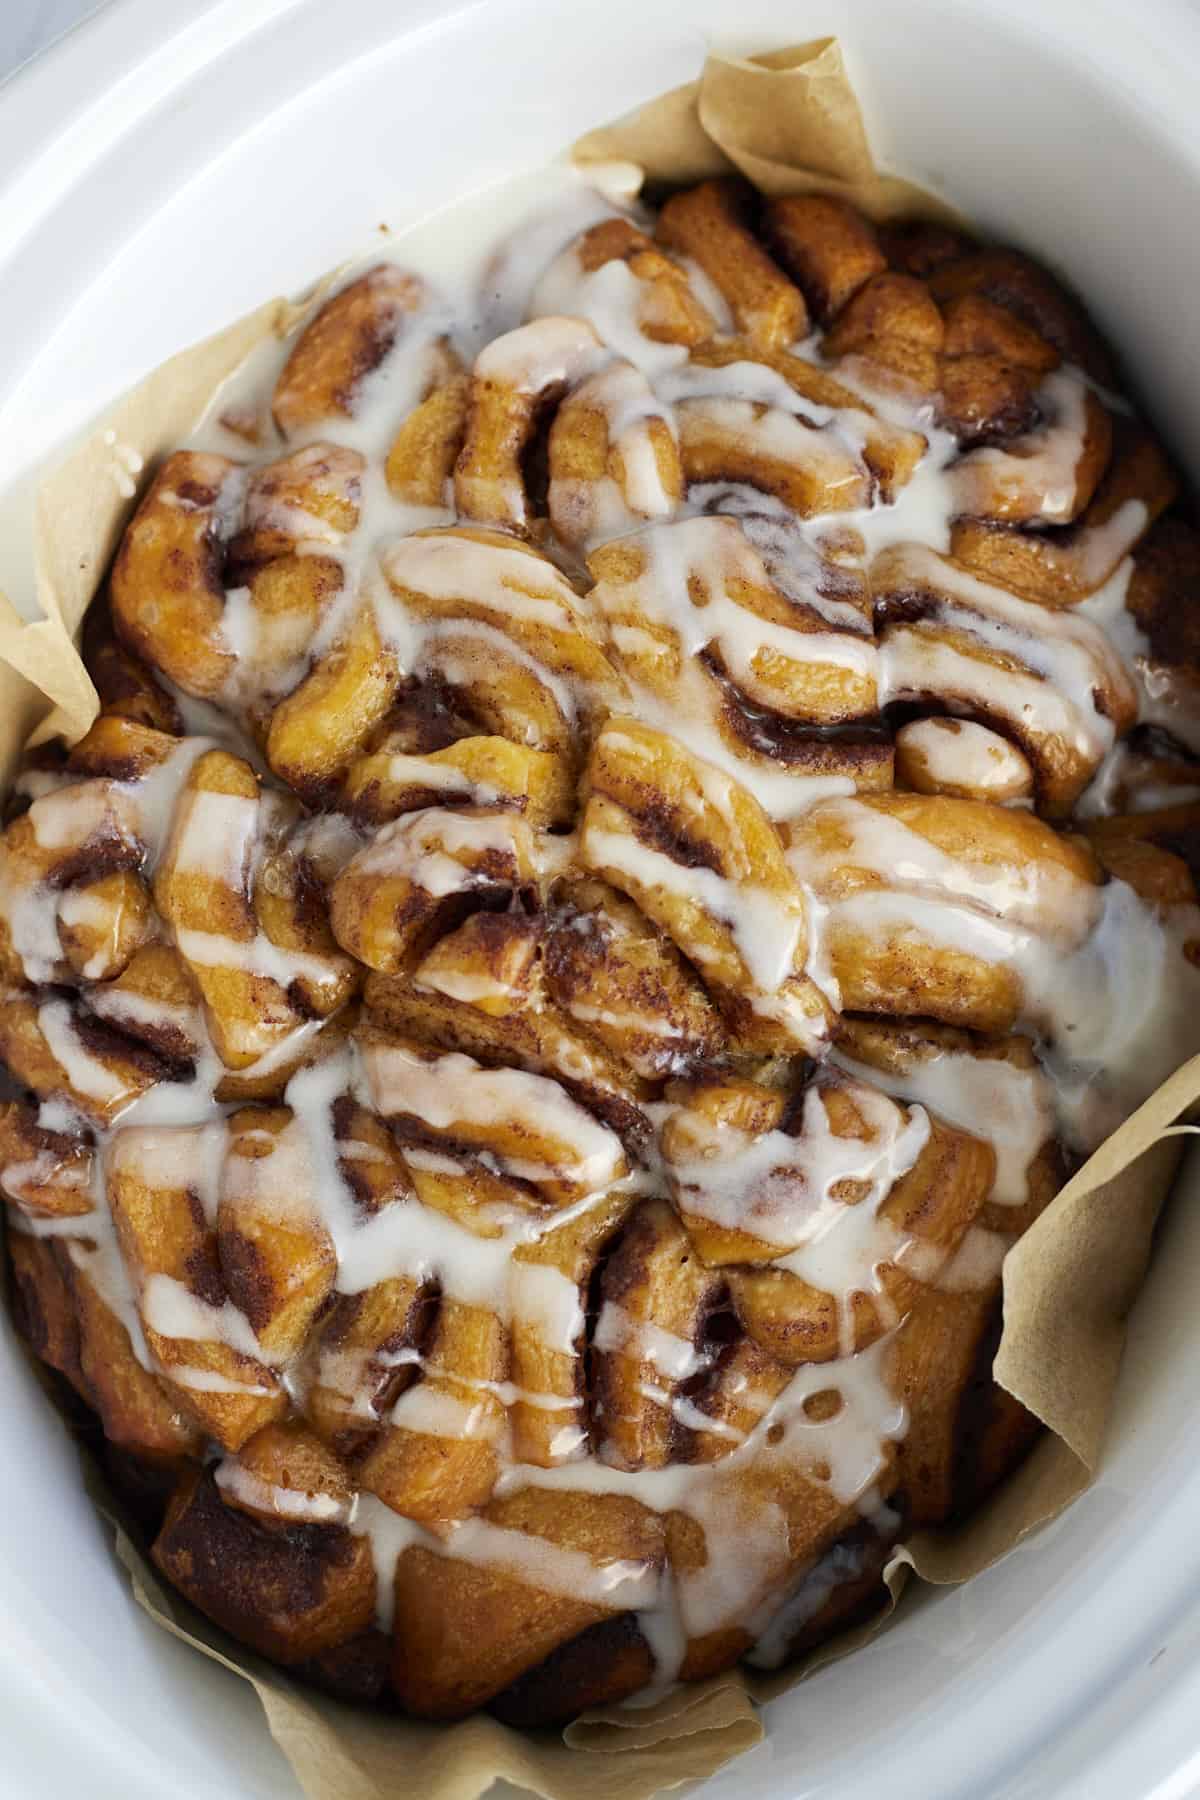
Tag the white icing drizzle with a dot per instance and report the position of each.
(76, 815)
(1012, 1107)
(784, 1189)
(439, 1413)
(976, 1263)
(87, 1074)
(174, 1311)
(1041, 465)
(959, 756)
(1063, 661)
(424, 848)
(610, 298)
(175, 1156)
(745, 1532)
(597, 510)
(670, 1355)
(126, 463)
(247, 1489)
(1103, 976)
(454, 1094)
(766, 936)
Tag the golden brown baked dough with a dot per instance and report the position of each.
(520, 1111)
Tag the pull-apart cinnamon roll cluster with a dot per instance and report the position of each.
(613, 878)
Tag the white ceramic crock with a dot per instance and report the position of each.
(173, 162)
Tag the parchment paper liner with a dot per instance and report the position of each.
(790, 122)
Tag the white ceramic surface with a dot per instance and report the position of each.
(29, 26)
(175, 160)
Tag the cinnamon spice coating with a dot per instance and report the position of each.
(523, 1096)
